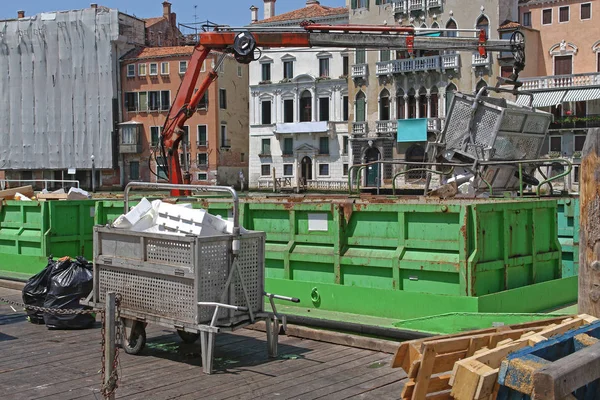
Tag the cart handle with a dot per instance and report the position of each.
(279, 297)
(213, 321)
(229, 306)
(199, 188)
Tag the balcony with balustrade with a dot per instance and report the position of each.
(386, 127)
(391, 127)
(406, 6)
(479, 61)
(360, 71)
(360, 128)
(561, 81)
(419, 64)
(400, 7)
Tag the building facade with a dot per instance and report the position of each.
(163, 30)
(566, 82)
(389, 87)
(298, 108)
(217, 132)
(56, 126)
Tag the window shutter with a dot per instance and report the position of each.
(360, 110)
(354, 5)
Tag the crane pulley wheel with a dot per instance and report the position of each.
(243, 47)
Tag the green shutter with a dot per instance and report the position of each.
(360, 56)
(360, 110)
(354, 5)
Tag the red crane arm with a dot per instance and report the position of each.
(242, 42)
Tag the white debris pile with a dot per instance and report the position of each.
(180, 219)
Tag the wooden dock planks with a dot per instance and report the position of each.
(38, 363)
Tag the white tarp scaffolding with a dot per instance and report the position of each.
(58, 81)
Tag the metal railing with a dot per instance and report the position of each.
(585, 121)
(326, 185)
(561, 81)
(426, 167)
(360, 70)
(7, 183)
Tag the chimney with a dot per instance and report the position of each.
(269, 8)
(94, 6)
(254, 13)
(167, 10)
(20, 14)
(312, 3)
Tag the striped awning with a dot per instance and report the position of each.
(582, 94)
(543, 99)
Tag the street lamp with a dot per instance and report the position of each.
(93, 175)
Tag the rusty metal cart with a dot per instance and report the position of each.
(198, 285)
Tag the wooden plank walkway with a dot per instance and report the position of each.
(36, 363)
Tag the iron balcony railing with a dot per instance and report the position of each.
(561, 81)
(574, 122)
(419, 64)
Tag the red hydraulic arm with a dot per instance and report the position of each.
(242, 42)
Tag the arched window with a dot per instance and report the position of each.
(451, 25)
(435, 25)
(412, 104)
(360, 112)
(480, 85)
(400, 104)
(433, 102)
(450, 90)
(483, 23)
(384, 105)
(423, 25)
(422, 103)
(305, 106)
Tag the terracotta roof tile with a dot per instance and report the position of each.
(510, 25)
(158, 52)
(306, 13)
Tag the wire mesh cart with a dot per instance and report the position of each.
(198, 285)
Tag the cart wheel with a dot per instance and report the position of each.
(188, 337)
(136, 340)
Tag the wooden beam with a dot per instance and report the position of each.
(9, 194)
(567, 374)
(589, 227)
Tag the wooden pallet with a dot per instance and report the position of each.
(476, 377)
(428, 361)
(555, 368)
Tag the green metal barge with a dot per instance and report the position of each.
(394, 263)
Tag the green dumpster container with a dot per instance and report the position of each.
(31, 231)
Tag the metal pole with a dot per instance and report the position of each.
(379, 166)
(93, 175)
(110, 339)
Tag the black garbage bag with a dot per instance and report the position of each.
(70, 281)
(34, 292)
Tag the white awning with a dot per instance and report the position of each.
(582, 94)
(131, 123)
(543, 99)
(302, 127)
